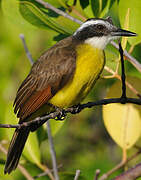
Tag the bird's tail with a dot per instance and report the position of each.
(15, 149)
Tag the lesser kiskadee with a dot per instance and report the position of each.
(62, 76)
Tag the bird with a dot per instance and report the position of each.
(62, 77)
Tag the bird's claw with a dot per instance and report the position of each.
(61, 115)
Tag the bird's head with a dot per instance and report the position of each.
(99, 32)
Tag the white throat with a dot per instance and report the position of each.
(99, 42)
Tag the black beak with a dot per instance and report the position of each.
(122, 32)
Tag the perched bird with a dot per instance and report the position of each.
(62, 76)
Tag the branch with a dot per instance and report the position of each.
(97, 173)
(72, 110)
(120, 165)
(77, 174)
(20, 167)
(58, 11)
(44, 173)
(117, 76)
(29, 56)
(52, 151)
(131, 174)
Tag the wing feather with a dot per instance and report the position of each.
(34, 102)
(24, 94)
(23, 87)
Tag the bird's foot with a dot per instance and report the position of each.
(61, 114)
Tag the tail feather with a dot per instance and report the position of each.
(15, 149)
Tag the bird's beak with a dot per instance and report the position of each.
(122, 32)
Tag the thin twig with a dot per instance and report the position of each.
(131, 174)
(9, 125)
(120, 165)
(25, 173)
(58, 11)
(52, 151)
(45, 173)
(77, 174)
(20, 167)
(28, 54)
(41, 175)
(97, 173)
(117, 76)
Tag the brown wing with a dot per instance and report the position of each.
(48, 74)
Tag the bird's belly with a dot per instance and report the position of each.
(89, 64)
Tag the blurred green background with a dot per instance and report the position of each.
(81, 141)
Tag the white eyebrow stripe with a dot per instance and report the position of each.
(92, 22)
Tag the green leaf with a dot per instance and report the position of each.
(3, 176)
(31, 150)
(76, 10)
(95, 7)
(70, 2)
(36, 16)
(35, 171)
(56, 125)
(101, 7)
(88, 11)
(112, 58)
(10, 118)
(134, 18)
(106, 9)
(126, 25)
(44, 18)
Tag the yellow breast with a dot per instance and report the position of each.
(89, 64)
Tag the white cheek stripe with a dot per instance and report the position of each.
(93, 22)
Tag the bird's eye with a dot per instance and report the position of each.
(100, 26)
